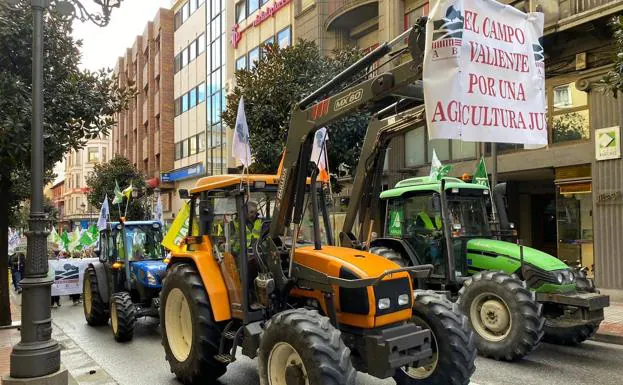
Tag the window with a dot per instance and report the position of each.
(93, 154)
(200, 3)
(178, 19)
(463, 150)
(104, 155)
(192, 51)
(253, 6)
(178, 62)
(77, 184)
(254, 55)
(570, 117)
(267, 42)
(201, 142)
(184, 102)
(412, 14)
(184, 148)
(442, 148)
(241, 12)
(265, 1)
(193, 6)
(178, 106)
(185, 12)
(201, 93)
(201, 44)
(216, 7)
(178, 150)
(216, 81)
(414, 147)
(193, 98)
(192, 144)
(241, 63)
(215, 26)
(216, 107)
(283, 37)
(184, 58)
(216, 54)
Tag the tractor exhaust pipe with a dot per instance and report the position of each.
(499, 200)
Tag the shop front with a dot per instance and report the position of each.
(574, 216)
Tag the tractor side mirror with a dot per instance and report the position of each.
(101, 256)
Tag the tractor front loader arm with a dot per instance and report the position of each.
(309, 115)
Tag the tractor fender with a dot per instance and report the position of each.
(212, 278)
(398, 245)
(102, 280)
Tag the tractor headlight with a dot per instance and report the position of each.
(151, 279)
(384, 303)
(571, 277)
(403, 299)
(560, 278)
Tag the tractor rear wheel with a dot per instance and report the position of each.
(506, 319)
(95, 311)
(190, 335)
(390, 254)
(454, 347)
(301, 347)
(122, 316)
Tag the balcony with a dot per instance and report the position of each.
(145, 152)
(565, 14)
(157, 104)
(156, 65)
(157, 142)
(347, 14)
(145, 111)
(145, 75)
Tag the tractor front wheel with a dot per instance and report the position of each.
(301, 347)
(95, 311)
(454, 347)
(506, 319)
(570, 336)
(122, 316)
(190, 335)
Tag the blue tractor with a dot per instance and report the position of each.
(125, 284)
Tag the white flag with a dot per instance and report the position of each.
(158, 211)
(241, 148)
(104, 214)
(319, 153)
(435, 165)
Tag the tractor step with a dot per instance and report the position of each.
(230, 335)
(225, 358)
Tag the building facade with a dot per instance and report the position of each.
(144, 132)
(563, 199)
(70, 195)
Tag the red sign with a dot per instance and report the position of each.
(267, 13)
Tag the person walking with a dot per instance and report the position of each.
(75, 298)
(17, 262)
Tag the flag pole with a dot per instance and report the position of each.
(494, 179)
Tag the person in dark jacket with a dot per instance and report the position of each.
(17, 263)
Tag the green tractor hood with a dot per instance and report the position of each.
(509, 253)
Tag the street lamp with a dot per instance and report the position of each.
(37, 354)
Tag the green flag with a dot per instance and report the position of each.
(53, 237)
(85, 239)
(118, 195)
(65, 241)
(480, 175)
(93, 233)
(437, 170)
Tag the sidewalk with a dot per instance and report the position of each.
(80, 366)
(611, 329)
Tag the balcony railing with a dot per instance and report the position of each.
(563, 11)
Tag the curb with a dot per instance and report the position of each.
(608, 338)
(14, 325)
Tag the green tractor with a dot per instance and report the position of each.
(514, 296)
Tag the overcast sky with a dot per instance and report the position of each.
(102, 46)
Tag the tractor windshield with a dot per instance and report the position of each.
(142, 243)
(468, 216)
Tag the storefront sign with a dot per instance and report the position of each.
(616, 196)
(262, 16)
(183, 173)
(608, 143)
(484, 70)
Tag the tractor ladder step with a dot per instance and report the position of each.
(225, 358)
(230, 335)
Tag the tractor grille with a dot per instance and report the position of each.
(392, 289)
(353, 300)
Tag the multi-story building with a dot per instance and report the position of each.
(563, 199)
(76, 210)
(144, 132)
(58, 200)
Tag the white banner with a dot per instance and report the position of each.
(68, 274)
(484, 73)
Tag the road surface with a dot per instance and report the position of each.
(142, 360)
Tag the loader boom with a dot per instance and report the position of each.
(307, 117)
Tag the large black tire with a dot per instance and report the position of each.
(95, 311)
(122, 316)
(390, 254)
(506, 303)
(199, 365)
(569, 336)
(317, 346)
(453, 343)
